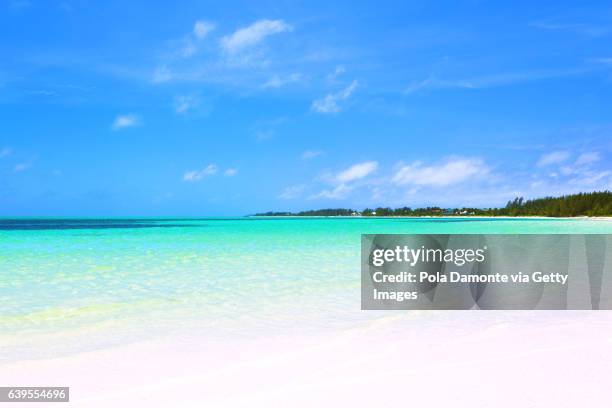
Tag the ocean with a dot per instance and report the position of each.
(69, 285)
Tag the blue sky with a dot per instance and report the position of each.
(193, 108)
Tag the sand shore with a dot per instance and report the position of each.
(459, 359)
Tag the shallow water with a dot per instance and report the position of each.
(115, 280)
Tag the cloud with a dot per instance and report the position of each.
(190, 42)
(453, 171)
(188, 49)
(21, 167)
(292, 192)
(197, 175)
(183, 104)
(357, 171)
(492, 80)
(470, 178)
(552, 158)
(339, 192)
(590, 30)
(329, 103)
(580, 176)
(252, 35)
(125, 121)
(587, 158)
(343, 181)
(311, 154)
(5, 152)
(202, 28)
(266, 129)
(277, 81)
(434, 83)
(162, 74)
(588, 178)
(231, 172)
(264, 134)
(581, 172)
(336, 73)
(184, 47)
(603, 61)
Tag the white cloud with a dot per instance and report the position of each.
(336, 73)
(252, 35)
(441, 182)
(329, 103)
(187, 46)
(278, 81)
(552, 158)
(341, 181)
(264, 134)
(4, 152)
(339, 192)
(357, 171)
(231, 172)
(202, 28)
(266, 129)
(125, 121)
(582, 174)
(292, 192)
(162, 74)
(454, 171)
(188, 49)
(311, 154)
(21, 167)
(567, 170)
(588, 178)
(434, 83)
(197, 175)
(587, 158)
(183, 104)
(199, 32)
(603, 61)
(491, 80)
(587, 29)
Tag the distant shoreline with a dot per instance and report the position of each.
(597, 204)
(510, 217)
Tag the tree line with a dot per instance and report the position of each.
(597, 203)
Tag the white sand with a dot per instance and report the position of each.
(454, 359)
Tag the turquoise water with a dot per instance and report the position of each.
(115, 280)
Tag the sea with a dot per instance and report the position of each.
(78, 284)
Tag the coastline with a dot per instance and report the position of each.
(509, 217)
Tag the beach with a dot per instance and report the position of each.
(306, 204)
(502, 359)
(266, 312)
